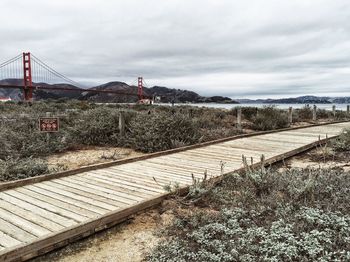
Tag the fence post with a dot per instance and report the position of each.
(333, 110)
(348, 110)
(314, 113)
(48, 114)
(121, 124)
(239, 118)
(290, 115)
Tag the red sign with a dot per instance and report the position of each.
(49, 124)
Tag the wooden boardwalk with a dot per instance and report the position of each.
(37, 217)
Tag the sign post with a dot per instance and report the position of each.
(49, 124)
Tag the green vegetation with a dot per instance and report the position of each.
(157, 132)
(148, 128)
(342, 143)
(269, 118)
(263, 215)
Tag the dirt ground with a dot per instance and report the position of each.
(125, 242)
(90, 156)
(320, 158)
(131, 240)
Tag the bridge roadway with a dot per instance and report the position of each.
(39, 215)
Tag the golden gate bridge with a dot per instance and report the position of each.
(37, 75)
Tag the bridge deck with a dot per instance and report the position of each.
(39, 217)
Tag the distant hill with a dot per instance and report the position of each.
(17, 94)
(166, 94)
(297, 100)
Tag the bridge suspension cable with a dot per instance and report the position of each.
(30, 73)
(50, 75)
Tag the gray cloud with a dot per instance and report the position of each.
(238, 48)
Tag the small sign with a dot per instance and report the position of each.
(49, 124)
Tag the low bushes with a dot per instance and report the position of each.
(304, 114)
(269, 118)
(98, 126)
(155, 132)
(20, 138)
(13, 169)
(298, 215)
(342, 143)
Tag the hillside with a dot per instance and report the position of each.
(166, 95)
(17, 94)
(292, 100)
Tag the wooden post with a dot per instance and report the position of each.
(314, 113)
(47, 114)
(348, 110)
(334, 112)
(290, 115)
(239, 118)
(121, 124)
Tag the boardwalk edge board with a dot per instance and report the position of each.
(31, 180)
(48, 243)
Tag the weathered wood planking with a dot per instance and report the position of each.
(40, 216)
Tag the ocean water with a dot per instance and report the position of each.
(281, 106)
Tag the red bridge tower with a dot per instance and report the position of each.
(27, 78)
(140, 88)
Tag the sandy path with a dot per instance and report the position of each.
(123, 243)
(90, 156)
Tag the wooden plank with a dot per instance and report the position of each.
(126, 173)
(68, 200)
(188, 168)
(281, 142)
(158, 165)
(87, 195)
(107, 182)
(37, 207)
(64, 237)
(170, 168)
(7, 241)
(236, 153)
(16, 232)
(31, 216)
(127, 180)
(118, 191)
(155, 171)
(253, 149)
(54, 187)
(214, 158)
(199, 163)
(76, 210)
(205, 154)
(119, 198)
(24, 224)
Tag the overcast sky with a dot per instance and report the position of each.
(236, 48)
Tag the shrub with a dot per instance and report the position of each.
(99, 126)
(323, 113)
(270, 118)
(249, 112)
(342, 143)
(20, 138)
(155, 132)
(301, 215)
(305, 113)
(13, 169)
